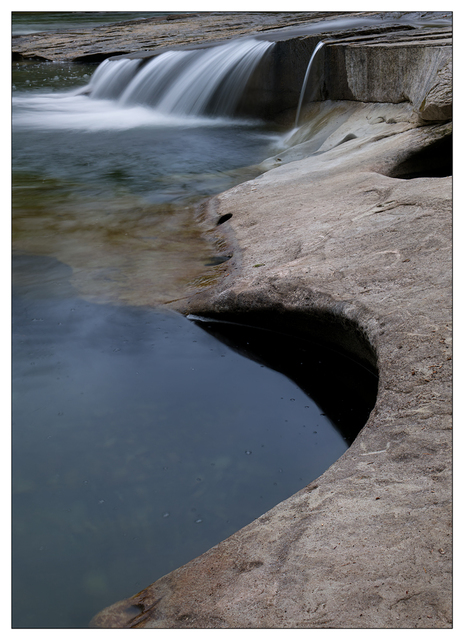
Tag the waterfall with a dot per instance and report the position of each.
(305, 81)
(196, 82)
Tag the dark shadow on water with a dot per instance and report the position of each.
(140, 441)
(342, 387)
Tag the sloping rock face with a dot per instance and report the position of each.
(438, 101)
(349, 227)
(368, 544)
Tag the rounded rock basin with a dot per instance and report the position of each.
(140, 439)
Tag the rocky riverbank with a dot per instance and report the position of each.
(347, 234)
(335, 237)
(94, 44)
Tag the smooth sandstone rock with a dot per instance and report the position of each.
(368, 544)
(94, 44)
(438, 101)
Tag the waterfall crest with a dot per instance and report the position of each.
(197, 82)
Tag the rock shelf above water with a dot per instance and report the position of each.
(94, 44)
(368, 57)
(97, 43)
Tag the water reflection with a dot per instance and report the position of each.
(344, 389)
(139, 441)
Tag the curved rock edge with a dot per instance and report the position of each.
(369, 543)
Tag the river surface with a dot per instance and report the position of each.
(25, 22)
(139, 440)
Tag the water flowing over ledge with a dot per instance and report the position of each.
(199, 82)
(175, 89)
(335, 226)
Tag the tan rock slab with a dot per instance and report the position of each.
(368, 544)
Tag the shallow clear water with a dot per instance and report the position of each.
(110, 190)
(139, 440)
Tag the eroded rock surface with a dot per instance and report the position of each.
(368, 544)
(94, 44)
(354, 221)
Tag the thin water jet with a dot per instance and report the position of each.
(305, 81)
(283, 533)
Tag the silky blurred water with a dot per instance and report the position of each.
(110, 191)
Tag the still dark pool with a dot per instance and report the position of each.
(140, 441)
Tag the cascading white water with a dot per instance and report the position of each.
(197, 82)
(305, 81)
(108, 85)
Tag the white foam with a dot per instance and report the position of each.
(80, 113)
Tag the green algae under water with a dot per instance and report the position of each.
(112, 192)
(139, 440)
